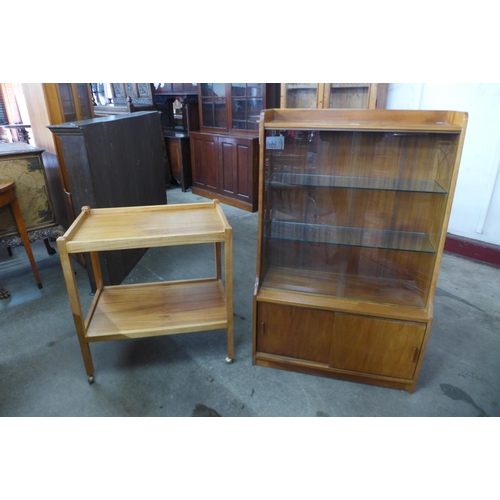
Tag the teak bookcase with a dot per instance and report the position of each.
(150, 309)
(353, 213)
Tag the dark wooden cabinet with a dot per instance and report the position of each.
(179, 157)
(226, 167)
(225, 152)
(178, 104)
(114, 161)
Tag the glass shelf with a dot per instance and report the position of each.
(283, 179)
(351, 236)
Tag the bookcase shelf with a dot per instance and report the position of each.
(286, 179)
(352, 236)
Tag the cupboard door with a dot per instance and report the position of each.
(174, 157)
(238, 163)
(247, 100)
(295, 332)
(205, 160)
(376, 346)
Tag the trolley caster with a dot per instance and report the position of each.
(229, 360)
(91, 379)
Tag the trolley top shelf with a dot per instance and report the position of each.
(99, 229)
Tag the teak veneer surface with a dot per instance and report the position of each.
(131, 311)
(364, 120)
(140, 227)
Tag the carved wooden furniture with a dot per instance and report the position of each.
(225, 153)
(353, 212)
(334, 95)
(51, 104)
(127, 98)
(20, 130)
(140, 95)
(150, 309)
(8, 198)
(114, 161)
(23, 164)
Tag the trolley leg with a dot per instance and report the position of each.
(228, 263)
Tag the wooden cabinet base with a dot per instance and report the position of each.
(323, 370)
(351, 346)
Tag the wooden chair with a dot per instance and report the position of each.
(8, 197)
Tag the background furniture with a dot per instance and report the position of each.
(23, 164)
(178, 104)
(225, 152)
(179, 157)
(130, 98)
(352, 222)
(334, 95)
(125, 98)
(21, 134)
(150, 309)
(8, 198)
(51, 104)
(114, 161)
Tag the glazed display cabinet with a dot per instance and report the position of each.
(353, 213)
(225, 151)
(334, 95)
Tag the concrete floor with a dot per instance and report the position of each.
(42, 373)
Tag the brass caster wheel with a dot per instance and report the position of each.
(229, 360)
(91, 379)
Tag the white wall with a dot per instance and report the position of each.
(476, 207)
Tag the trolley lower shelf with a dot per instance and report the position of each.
(146, 310)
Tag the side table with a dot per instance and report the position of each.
(8, 197)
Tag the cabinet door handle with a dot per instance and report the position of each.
(263, 329)
(414, 355)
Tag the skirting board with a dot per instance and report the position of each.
(473, 249)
